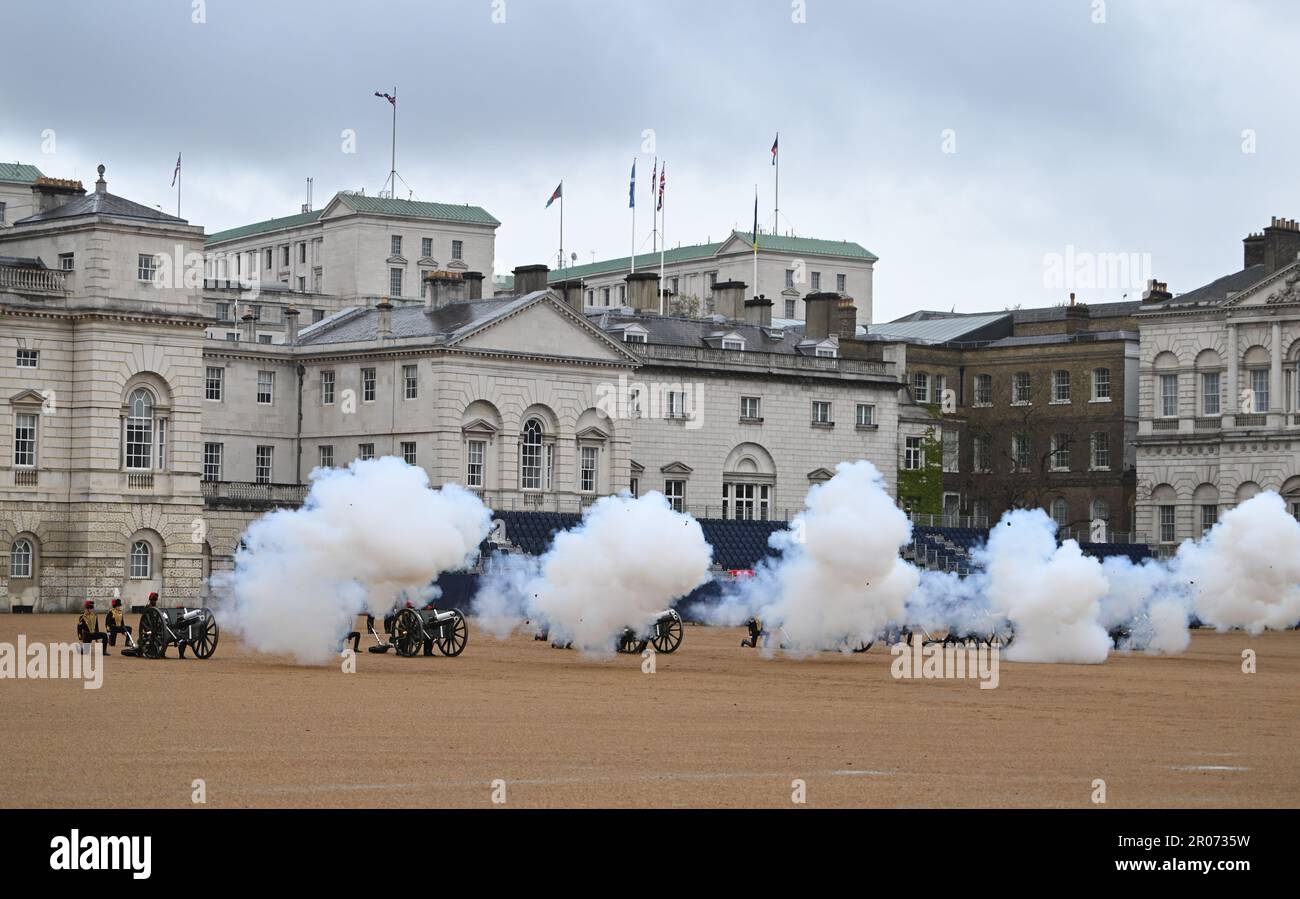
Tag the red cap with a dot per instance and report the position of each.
(153, 596)
(116, 603)
(408, 604)
(90, 603)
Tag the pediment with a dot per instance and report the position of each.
(545, 327)
(1283, 286)
(479, 426)
(820, 474)
(676, 468)
(27, 397)
(592, 433)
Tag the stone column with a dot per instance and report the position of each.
(1276, 401)
(1234, 397)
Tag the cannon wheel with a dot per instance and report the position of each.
(152, 638)
(457, 635)
(864, 646)
(629, 643)
(204, 635)
(408, 633)
(670, 639)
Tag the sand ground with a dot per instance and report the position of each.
(715, 725)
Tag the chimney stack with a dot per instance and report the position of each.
(643, 292)
(473, 285)
(571, 292)
(384, 326)
(758, 311)
(442, 289)
(846, 318)
(51, 193)
(1156, 292)
(530, 278)
(729, 299)
(291, 325)
(819, 315)
(1275, 247)
(1076, 317)
(249, 328)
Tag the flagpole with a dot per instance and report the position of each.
(632, 194)
(755, 236)
(178, 187)
(776, 214)
(392, 171)
(663, 243)
(561, 223)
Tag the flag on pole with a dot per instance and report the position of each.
(654, 177)
(663, 175)
(177, 171)
(774, 144)
(559, 192)
(389, 97)
(631, 188)
(755, 231)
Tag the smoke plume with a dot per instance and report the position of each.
(366, 536)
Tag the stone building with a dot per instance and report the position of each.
(1220, 393)
(1031, 408)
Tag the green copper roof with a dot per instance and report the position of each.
(19, 171)
(777, 243)
(447, 212)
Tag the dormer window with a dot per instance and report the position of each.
(733, 343)
(633, 337)
(826, 352)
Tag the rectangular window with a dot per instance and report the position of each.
(2, 213)
(426, 247)
(67, 262)
(326, 455)
(1060, 452)
(139, 442)
(475, 452)
(676, 404)
(1100, 450)
(365, 451)
(1101, 384)
(265, 455)
(1210, 393)
(268, 260)
(951, 450)
(1020, 460)
(751, 407)
(302, 253)
(162, 444)
(1259, 387)
(913, 454)
(1169, 396)
(1167, 533)
(212, 461)
(588, 470)
(1061, 386)
(214, 382)
(841, 283)
(408, 452)
(457, 249)
(395, 245)
(938, 388)
(984, 390)
(921, 387)
(317, 315)
(789, 309)
(789, 278)
(675, 491)
(982, 457)
(865, 416)
(223, 312)
(821, 412)
(604, 295)
(746, 502)
(634, 487)
(411, 381)
(367, 385)
(733, 344)
(395, 282)
(1209, 517)
(257, 312)
(146, 267)
(28, 358)
(1020, 388)
(265, 387)
(25, 439)
(284, 256)
(302, 284)
(816, 281)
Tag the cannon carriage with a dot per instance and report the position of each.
(665, 634)
(181, 627)
(409, 630)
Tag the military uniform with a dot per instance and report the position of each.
(88, 628)
(756, 633)
(116, 621)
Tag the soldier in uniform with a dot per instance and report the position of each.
(756, 633)
(116, 622)
(88, 627)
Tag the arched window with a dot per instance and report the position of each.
(20, 558)
(1100, 520)
(1060, 512)
(141, 559)
(139, 430)
(530, 456)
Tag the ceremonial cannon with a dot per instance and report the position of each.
(665, 634)
(411, 629)
(181, 627)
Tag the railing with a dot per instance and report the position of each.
(1209, 424)
(247, 491)
(139, 480)
(23, 279)
(26, 477)
(1256, 420)
(948, 521)
(1165, 424)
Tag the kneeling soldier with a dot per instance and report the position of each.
(88, 627)
(116, 622)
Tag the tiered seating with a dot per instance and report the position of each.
(739, 544)
(532, 531)
(1135, 552)
(947, 549)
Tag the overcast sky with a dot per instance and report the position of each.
(1122, 136)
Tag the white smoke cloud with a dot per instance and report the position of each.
(504, 590)
(365, 536)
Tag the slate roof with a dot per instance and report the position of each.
(681, 331)
(938, 329)
(102, 204)
(1216, 291)
(440, 325)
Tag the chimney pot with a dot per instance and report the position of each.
(384, 326)
(819, 313)
(291, 325)
(530, 278)
(729, 299)
(643, 292)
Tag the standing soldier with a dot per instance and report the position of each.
(88, 627)
(116, 622)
